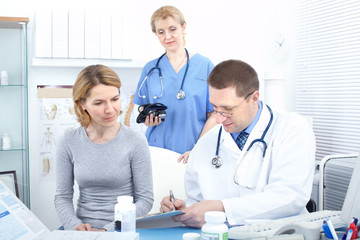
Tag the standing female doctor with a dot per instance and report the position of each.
(176, 79)
(270, 176)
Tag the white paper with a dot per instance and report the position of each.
(88, 235)
(16, 220)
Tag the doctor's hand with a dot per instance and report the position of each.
(167, 206)
(83, 227)
(150, 121)
(184, 157)
(194, 215)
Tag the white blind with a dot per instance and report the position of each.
(328, 72)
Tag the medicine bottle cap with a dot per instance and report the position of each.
(215, 217)
(125, 199)
(191, 236)
(5, 134)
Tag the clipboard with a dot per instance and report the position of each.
(158, 220)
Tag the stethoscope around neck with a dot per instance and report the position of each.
(180, 94)
(217, 160)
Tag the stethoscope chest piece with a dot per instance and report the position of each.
(180, 95)
(217, 161)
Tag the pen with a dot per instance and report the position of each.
(344, 237)
(350, 232)
(355, 220)
(332, 229)
(352, 227)
(354, 230)
(327, 231)
(172, 199)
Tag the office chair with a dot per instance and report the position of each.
(311, 206)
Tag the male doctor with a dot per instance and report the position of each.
(269, 180)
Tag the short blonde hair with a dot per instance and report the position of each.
(165, 12)
(88, 78)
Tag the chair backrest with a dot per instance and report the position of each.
(167, 174)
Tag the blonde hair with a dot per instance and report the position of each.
(88, 78)
(165, 12)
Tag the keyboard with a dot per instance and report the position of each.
(269, 228)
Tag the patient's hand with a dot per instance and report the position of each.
(167, 206)
(184, 157)
(83, 227)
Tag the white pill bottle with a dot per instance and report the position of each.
(125, 214)
(215, 227)
(5, 142)
(4, 78)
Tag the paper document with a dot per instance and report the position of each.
(89, 235)
(158, 220)
(16, 220)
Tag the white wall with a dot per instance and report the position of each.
(219, 30)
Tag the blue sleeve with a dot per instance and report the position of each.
(209, 107)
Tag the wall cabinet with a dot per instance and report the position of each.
(14, 159)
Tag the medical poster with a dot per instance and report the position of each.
(56, 115)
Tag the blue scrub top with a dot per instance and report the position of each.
(185, 118)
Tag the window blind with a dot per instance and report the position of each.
(328, 72)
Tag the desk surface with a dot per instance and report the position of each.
(173, 233)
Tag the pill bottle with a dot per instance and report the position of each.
(214, 228)
(125, 214)
(191, 236)
(5, 142)
(4, 80)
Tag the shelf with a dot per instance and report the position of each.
(70, 62)
(12, 150)
(13, 85)
(14, 19)
(12, 22)
(13, 101)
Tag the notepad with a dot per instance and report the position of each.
(158, 220)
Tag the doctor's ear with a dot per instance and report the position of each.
(255, 97)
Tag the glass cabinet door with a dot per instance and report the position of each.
(14, 154)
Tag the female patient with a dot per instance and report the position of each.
(106, 158)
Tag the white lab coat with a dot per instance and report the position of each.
(276, 186)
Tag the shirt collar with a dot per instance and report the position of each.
(253, 123)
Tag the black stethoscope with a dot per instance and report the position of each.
(217, 160)
(180, 94)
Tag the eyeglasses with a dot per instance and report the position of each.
(229, 114)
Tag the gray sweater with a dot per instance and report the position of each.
(121, 166)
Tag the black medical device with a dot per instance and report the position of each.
(157, 109)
